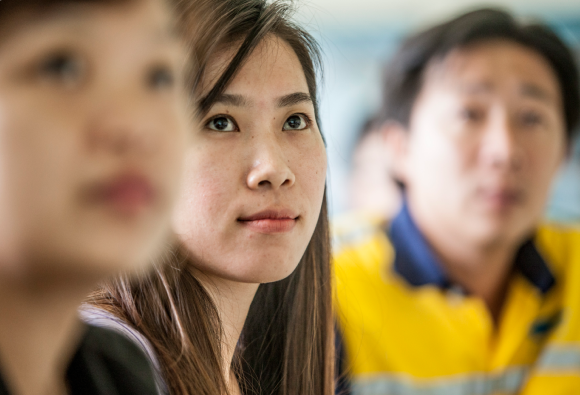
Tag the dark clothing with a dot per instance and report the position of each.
(106, 363)
(342, 379)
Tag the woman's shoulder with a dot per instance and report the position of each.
(107, 362)
(100, 318)
(103, 319)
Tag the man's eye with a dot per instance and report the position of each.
(61, 67)
(161, 77)
(296, 122)
(221, 124)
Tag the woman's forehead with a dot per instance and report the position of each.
(273, 67)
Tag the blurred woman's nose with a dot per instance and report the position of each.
(123, 126)
(269, 168)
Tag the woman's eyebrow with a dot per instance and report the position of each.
(294, 98)
(231, 100)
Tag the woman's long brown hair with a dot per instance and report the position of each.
(287, 344)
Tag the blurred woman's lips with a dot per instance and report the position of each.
(270, 221)
(127, 194)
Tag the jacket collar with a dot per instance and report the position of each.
(417, 263)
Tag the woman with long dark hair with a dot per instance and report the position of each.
(93, 129)
(242, 304)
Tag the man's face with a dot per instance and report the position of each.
(485, 139)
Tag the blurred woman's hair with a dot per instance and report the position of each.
(10, 8)
(13, 12)
(286, 346)
(405, 74)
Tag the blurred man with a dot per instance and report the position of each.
(465, 292)
(564, 203)
(372, 188)
(374, 194)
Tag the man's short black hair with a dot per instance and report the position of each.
(404, 75)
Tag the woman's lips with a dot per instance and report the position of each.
(128, 194)
(270, 221)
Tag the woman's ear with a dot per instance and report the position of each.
(396, 139)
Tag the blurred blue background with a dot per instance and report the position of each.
(359, 36)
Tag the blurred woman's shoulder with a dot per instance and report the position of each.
(102, 323)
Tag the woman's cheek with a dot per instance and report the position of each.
(314, 172)
(209, 194)
(202, 196)
(322, 162)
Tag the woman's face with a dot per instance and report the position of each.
(255, 174)
(93, 127)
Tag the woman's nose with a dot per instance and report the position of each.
(270, 168)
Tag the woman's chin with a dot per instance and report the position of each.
(252, 273)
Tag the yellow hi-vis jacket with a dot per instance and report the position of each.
(407, 330)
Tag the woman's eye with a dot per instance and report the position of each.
(61, 67)
(221, 124)
(160, 78)
(471, 114)
(296, 122)
(531, 119)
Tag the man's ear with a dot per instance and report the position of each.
(396, 140)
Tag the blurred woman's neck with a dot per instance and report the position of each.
(39, 331)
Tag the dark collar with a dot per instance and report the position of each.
(416, 262)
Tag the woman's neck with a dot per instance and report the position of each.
(232, 300)
(39, 332)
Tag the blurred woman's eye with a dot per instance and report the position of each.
(470, 114)
(296, 122)
(531, 118)
(61, 67)
(161, 77)
(221, 124)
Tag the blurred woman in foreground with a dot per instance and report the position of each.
(93, 126)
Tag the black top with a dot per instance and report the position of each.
(106, 363)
